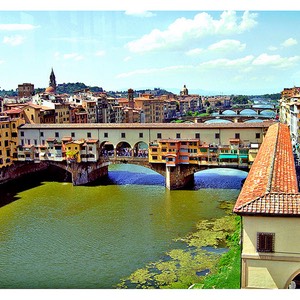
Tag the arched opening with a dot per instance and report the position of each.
(140, 149)
(217, 121)
(124, 174)
(220, 178)
(268, 113)
(123, 149)
(229, 112)
(107, 149)
(294, 283)
(248, 112)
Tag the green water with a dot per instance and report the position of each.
(56, 235)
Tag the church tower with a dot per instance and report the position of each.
(130, 98)
(52, 84)
(52, 81)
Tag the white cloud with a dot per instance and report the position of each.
(272, 48)
(194, 52)
(74, 56)
(227, 45)
(17, 27)
(224, 45)
(289, 42)
(223, 62)
(247, 64)
(128, 58)
(275, 61)
(13, 40)
(100, 53)
(183, 30)
(139, 13)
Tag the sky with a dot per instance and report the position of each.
(210, 51)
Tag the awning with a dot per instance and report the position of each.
(243, 156)
(228, 156)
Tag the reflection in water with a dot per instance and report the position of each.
(55, 235)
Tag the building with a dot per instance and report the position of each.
(269, 206)
(289, 113)
(8, 140)
(25, 90)
(199, 143)
(153, 108)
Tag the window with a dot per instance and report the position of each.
(106, 134)
(56, 134)
(72, 134)
(123, 135)
(22, 133)
(257, 135)
(237, 135)
(197, 135)
(177, 135)
(217, 135)
(89, 135)
(141, 135)
(41, 133)
(159, 135)
(154, 157)
(265, 242)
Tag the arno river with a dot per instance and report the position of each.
(55, 235)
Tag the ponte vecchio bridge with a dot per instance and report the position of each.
(174, 150)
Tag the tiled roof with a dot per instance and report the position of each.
(273, 204)
(271, 186)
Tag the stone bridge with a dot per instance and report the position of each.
(86, 172)
(96, 146)
(239, 110)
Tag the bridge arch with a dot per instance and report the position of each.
(217, 178)
(107, 148)
(268, 112)
(248, 112)
(229, 112)
(211, 121)
(123, 149)
(140, 149)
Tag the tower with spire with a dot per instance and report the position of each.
(52, 81)
(52, 84)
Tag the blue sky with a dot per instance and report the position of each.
(212, 51)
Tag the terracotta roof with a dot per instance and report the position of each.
(271, 186)
(92, 141)
(274, 204)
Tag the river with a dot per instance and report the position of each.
(55, 235)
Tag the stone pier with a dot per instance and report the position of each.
(84, 173)
(179, 176)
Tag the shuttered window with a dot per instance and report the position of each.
(265, 242)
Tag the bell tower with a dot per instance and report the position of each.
(52, 81)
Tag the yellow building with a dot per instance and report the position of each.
(8, 140)
(73, 150)
(269, 205)
(62, 113)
